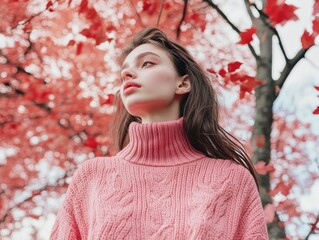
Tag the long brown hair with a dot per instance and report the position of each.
(199, 107)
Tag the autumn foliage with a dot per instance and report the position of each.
(59, 79)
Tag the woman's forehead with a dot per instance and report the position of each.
(146, 48)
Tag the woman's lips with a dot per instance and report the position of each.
(130, 90)
(130, 87)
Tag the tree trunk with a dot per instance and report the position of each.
(265, 97)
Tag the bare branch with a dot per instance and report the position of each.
(178, 30)
(313, 227)
(222, 14)
(250, 13)
(43, 106)
(37, 192)
(290, 65)
(160, 13)
(264, 17)
(24, 22)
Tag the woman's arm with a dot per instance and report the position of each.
(66, 225)
(251, 222)
(71, 221)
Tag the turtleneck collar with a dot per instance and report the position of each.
(159, 144)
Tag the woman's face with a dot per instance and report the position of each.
(151, 88)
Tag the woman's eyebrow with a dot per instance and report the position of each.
(141, 55)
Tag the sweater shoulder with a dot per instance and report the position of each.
(231, 171)
(92, 164)
(88, 170)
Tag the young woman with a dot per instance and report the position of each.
(178, 174)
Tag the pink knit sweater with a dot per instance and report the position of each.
(160, 187)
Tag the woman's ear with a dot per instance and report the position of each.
(183, 85)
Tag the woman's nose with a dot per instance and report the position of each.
(128, 74)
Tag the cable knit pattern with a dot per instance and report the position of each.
(159, 187)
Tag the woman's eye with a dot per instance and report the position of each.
(145, 64)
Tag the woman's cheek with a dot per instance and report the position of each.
(158, 78)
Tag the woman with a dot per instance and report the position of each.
(178, 174)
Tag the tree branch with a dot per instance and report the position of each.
(313, 228)
(178, 30)
(264, 17)
(250, 13)
(36, 192)
(222, 14)
(289, 66)
(160, 13)
(24, 22)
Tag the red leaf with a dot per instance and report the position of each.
(91, 13)
(260, 167)
(38, 95)
(269, 211)
(109, 100)
(233, 66)
(28, 27)
(195, 17)
(86, 32)
(236, 77)
(315, 8)
(247, 35)
(91, 142)
(37, 217)
(263, 169)
(307, 40)
(110, 28)
(146, 5)
(13, 125)
(222, 72)
(211, 70)
(71, 43)
(279, 12)
(83, 6)
(108, 39)
(314, 226)
(317, 88)
(282, 188)
(316, 111)
(315, 25)
(49, 4)
(248, 85)
(149, 7)
(79, 48)
(18, 182)
(167, 6)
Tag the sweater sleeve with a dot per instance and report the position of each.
(252, 224)
(70, 217)
(65, 226)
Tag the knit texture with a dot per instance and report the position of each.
(160, 187)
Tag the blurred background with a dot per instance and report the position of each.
(59, 78)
